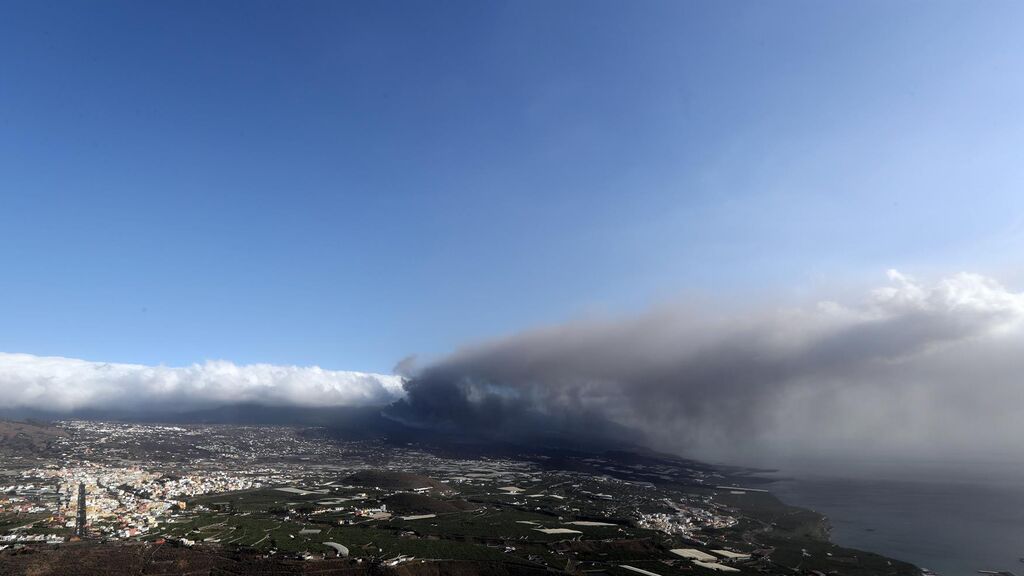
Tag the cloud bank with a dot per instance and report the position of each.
(912, 370)
(55, 384)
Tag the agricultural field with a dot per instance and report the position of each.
(288, 500)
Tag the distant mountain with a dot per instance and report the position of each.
(355, 418)
(547, 436)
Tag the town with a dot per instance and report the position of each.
(293, 494)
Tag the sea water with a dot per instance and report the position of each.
(949, 522)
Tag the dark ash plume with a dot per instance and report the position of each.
(914, 370)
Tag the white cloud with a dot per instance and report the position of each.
(66, 384)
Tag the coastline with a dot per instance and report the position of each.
(951, 528)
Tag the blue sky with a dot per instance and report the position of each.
(343, 183)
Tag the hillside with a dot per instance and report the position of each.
(27, 438)
(409, 503)
(393, 480)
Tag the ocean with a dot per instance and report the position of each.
(951, 523)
